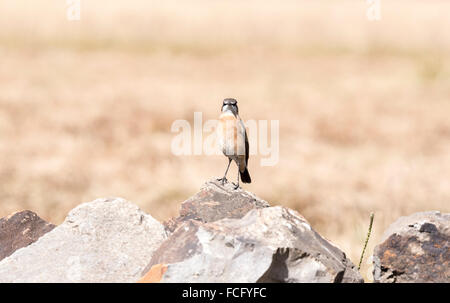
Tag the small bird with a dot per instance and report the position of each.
(232, 139)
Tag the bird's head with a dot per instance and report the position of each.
(230, 104)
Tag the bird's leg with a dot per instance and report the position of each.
(236, 185)
(224, 179)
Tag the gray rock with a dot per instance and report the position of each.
(415, 249)
(20, 229)
(272, 244)
(107, 240)
(214, 202)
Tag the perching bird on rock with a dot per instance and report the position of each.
(233, 141)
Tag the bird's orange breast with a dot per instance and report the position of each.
(231, 136)
(228, 129)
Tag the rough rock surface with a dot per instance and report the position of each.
(107, 240)
(20, 229)
(415, 249)
(215, 202)
(272, 244)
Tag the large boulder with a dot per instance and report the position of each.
(107, 240)
(272, 244)
(215, 201)
(415, 249)
(19, 230)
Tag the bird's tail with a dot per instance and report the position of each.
(245, 176)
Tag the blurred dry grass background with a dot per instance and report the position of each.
(86, 107)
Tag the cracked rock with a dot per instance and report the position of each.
(215, 201)
(415, 249)
(107, 240)
(273, 244)
(19, 230)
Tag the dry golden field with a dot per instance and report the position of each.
(86, 107)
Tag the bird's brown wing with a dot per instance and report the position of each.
(247, 147)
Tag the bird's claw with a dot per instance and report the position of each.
(223, 180)
(236, 186)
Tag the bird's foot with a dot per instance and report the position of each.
(236, 186)
(223, 180)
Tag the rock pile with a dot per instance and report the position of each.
(221, 235)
